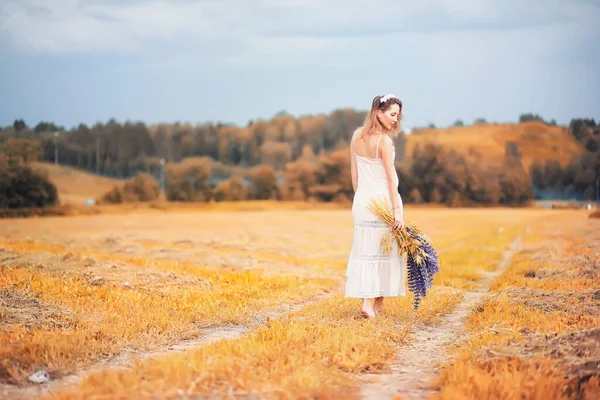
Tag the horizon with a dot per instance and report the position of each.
(74, 61)
(406, 130)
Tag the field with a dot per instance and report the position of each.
(225, 303)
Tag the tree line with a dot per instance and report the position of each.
(123, 149)
(289, 158)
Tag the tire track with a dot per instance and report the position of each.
(417, 364)
(124, 360)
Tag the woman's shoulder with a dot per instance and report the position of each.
(386, 140)
(356, 134)
(386, 144)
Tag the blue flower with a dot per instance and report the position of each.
(422, 265)
(421, 258)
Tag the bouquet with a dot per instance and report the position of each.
(415, 246)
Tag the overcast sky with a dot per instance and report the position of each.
(72, 61)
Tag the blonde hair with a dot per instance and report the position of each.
(371, 121)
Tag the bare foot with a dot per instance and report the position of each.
(367, 313)
(378, 306)
(367, 310)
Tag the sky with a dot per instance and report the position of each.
(233, 61)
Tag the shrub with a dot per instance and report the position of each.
(189, 181)
(142, 187)
(24, 187)
(231, 189)
(263, 184)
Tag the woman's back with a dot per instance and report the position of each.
(369, 163)
(368, 146)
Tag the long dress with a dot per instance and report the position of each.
(369, 272)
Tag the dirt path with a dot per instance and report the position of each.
(123, 361)
(416, 364)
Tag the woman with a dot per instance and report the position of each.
(371, 274)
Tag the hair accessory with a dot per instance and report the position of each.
(387, 97)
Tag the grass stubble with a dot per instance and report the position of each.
(317, 351)
(536, 335)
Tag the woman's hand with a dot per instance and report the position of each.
(398, 219)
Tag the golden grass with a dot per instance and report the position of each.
(183, 267)
(536, 378)
(306, 354)
(213, 206)
(307, 267)
(74, 206)
(501, 318)
(512, 350)
(290, 354)
(462, 267)
(545, 275)
(110, 318)
(310, 352)
(318, 264)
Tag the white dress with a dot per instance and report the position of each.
(370, 273)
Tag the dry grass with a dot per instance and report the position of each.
(308, 353)
(536, 335)
(17, 308)
(463, 266)
(115, 316)
(547, 275)
(74, 206)
(514, 377)
(311, 351)
(211, 206)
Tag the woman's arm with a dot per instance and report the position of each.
(353, 166)
(387, 148)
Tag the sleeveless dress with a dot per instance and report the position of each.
(369, 272)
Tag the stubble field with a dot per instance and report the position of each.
(249, 304)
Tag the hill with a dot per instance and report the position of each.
(74, 185)
(534, 139)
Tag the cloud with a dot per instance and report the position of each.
(78, 26)
(74, 26)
